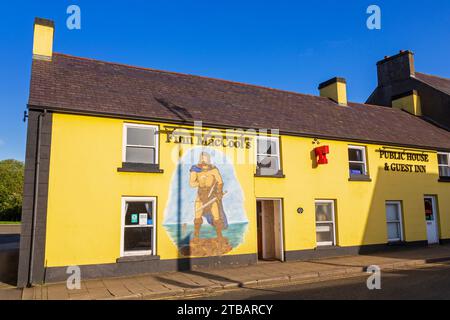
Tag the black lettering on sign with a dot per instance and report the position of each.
(208, 139)
(421, 169)
(404, 156)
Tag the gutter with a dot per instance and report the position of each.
(215, 125)
(35, 197)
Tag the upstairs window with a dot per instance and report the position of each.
(357, 161)
(268, 156)
(444, 165)
(140, 144)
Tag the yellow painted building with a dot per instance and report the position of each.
(133, 170)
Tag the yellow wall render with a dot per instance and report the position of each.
(336, 91)
(85, 191)
(360, 205)
(43, 41)
(410, 103)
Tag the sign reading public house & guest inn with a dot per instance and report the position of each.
(404, 156)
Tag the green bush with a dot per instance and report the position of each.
(11, 187)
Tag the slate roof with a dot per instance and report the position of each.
(439, 83)
(79, 85)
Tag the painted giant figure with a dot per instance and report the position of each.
(206, 177)
(205, 213)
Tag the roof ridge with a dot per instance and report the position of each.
(350, 103)
(206, 78)
(432, 75)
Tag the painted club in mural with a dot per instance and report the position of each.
(205, 214)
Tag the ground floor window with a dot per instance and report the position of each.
(394, 221)
(138, 226)
(325, 223)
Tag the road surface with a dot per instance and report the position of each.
(423, 283)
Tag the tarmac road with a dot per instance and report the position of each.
(423, 283)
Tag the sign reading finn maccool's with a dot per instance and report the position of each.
(404, 156)
(208, 138)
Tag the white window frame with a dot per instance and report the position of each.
(142, 126)
(277, 155)
(333, 212)
(400, 221)
(364, 162)
(122, 224)
(444, 165)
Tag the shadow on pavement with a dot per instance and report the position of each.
(207, 276)
(423, 283)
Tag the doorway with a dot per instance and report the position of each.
(270, 229)
(431, 218)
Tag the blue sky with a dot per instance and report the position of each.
(291, 45)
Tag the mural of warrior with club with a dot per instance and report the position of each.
(206, 177)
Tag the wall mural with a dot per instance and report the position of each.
(205, 214)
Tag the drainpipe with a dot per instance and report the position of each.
(35, 197)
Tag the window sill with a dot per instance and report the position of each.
(137, 258)
(396, 243)
(140, 167)
(278, 175)
(326, 247)
(360, 178)
(444, 179)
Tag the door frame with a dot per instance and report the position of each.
(280, 209)
(436, 217)
(398, 203)
(333, 212)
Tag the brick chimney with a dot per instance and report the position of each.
(396, 68)
(43, 39)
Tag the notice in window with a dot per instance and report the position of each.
(143, 219)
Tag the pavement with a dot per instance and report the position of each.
(207, 282)
(428, 282)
